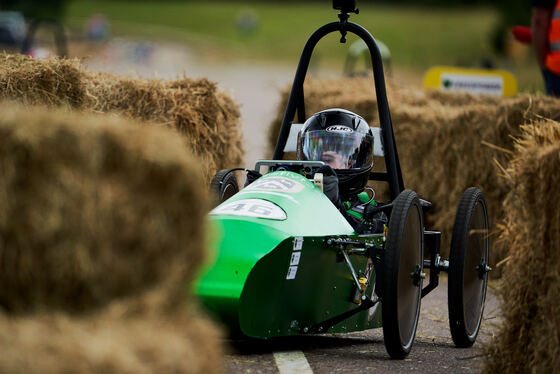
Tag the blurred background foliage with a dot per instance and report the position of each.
(49, 10)
(419, 33)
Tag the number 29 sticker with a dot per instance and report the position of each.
(257, 208)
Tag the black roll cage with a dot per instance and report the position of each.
(393, 175)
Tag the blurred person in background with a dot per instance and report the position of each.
(545, 30)
(39, 13)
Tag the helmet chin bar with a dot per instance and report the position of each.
(352, 181)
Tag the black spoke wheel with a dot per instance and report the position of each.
(468, 268)
(223, 186)
(402, 274)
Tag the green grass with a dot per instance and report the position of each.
(417, 37)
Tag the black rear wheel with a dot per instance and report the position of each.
(468, 268)
(223, 186)
(402, 274)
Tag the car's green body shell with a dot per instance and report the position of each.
(277, 277)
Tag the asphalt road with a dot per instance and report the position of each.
(361, 352)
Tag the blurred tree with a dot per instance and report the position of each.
(513, 12)
(369, 2)
(37, 13)
(51, 10)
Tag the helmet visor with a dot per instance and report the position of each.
(352, 150)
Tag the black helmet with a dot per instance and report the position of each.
(344, 141)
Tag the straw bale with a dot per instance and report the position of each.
(107, 343)
(94, 208)
(208, 118)
(446, 142)
(528, 340)
(43, 82)
(445, 149)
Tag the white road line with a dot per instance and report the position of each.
(292, 362)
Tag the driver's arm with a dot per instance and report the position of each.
(330, 185)
(330, 189)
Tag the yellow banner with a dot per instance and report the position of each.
(476, 81)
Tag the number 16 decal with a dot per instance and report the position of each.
(257, 208)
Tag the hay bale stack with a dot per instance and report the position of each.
(94, 208)
(439, 138)
(358, 95)
(529, 337)
(109, 344)
(101, 230)
(209, 119)
(444, 149)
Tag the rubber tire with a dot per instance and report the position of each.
(223, 186)
(466, 291)
(405, 237)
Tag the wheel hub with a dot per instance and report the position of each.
(417, 275)
(483, 268)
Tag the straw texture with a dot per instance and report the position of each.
(208, 118)
(101, 234)
(109, 344)
(528, 340)
(94, 208)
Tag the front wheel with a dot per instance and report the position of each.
(402, 274)
(468, 268)
(223, 186)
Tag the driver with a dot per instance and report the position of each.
(344, 142)
(334, 160)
